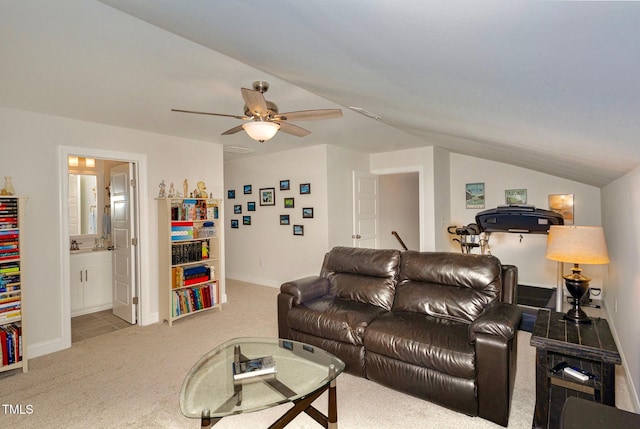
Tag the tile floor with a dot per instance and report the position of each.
(94, 324)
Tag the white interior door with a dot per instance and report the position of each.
(365, 210)
(123, 255)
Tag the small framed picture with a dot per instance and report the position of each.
(515, 196)
(251, 206)
(267, 196)
(234, 223)
(231, 194)
(247, 189)
(474, 195)
(237, 209)
(563, 205)
(305, 188)
(285, 185)
(307, 212)
(246, 220)
(298, 229)
(284, 219)
(288, 203)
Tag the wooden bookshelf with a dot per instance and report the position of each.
(13, 348)
(189, 232)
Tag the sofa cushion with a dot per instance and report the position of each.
(423, 340)
(453, 286)
(368, 276)
(334, 318)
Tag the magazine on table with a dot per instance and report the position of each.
(254, 367)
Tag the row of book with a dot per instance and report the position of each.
(9, 244)
(194, 210)
(192, 251)
(10, 307)
(8, 213)
(11, 343)
(9, 276)
(194, 299)
(187, 276)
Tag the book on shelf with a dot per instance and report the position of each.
(253, 367)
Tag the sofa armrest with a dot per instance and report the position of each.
(498, 319)
(305, 289)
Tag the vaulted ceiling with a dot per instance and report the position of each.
(546, 85)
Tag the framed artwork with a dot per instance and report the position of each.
(237, 209)
(251, 206)
(234, 223)
(247, 189)
(246, 220)
(515, 196)
(305, 188)
(267, 196)
(307, 212)
(288, 203)
(285, 185)
(284, 219)
(298, 229)
(563, 205)
(474, 195)
(231, 194)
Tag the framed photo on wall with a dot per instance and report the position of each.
(231, 194)
(289, 203)
(515, 196)
(563, 205)
(284, 219)
(474, 195)
(237, 209)
(251, 206)
(234, 223)
(305, 188)
(247, 189)
(246, 220)
(307, 212)
(267, 196)
(285, 185)
(298, 229)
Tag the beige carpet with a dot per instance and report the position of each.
(132, 379)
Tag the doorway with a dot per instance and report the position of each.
(137, 165)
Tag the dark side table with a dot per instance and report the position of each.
(589, 346)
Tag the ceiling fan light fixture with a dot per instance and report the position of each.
(261, 130)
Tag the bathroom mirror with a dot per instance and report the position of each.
(83, 204)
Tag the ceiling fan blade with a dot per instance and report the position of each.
(232, 130)
(309, 115)
(255, 102)
(244, 118)
(294, 130)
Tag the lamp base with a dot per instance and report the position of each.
(576, 315)
(577, 285)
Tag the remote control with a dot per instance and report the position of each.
(572, 372)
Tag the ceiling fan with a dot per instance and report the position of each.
(263, 119)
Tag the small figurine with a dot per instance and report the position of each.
(162, 193)
(202, 190)
(185, 187)
(8, 186)
(172, 191)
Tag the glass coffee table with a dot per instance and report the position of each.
(303, 372)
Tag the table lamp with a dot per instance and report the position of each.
(577, 245)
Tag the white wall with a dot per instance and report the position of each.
(527, 254)
(30, 150)
(621, 202)
(399, 210)
(266, 252)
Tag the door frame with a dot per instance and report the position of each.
(421, 209)
(144, 313)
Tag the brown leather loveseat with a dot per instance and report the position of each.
(439, 326)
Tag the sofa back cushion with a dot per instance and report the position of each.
(362, 275)
(453, 286)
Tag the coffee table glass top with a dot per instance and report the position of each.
(301, 369)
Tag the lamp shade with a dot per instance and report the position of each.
(261, 131)
(577, 245)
